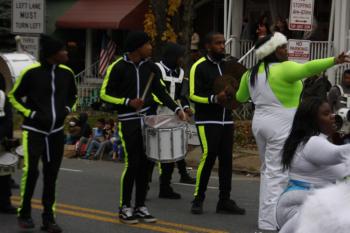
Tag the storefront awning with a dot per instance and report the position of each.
(104, 14)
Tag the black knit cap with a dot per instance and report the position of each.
(171, 53)
(49, 46)
(135, 40)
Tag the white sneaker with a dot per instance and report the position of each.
(142, 214)
(127, 216)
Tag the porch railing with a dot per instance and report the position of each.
(89, 84)
(318, 49)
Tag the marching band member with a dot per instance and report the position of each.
(274, 85)
(123, 86)
(44, 94)
(312, 160)
(215, 126)
(173, 77)
(5, 132)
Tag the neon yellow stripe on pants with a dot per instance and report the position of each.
(126, 165)
(201, 131)
(25, 165)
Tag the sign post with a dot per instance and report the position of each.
(28, 16)
(299, 50)
(30, 44)
(28, 20)
(301, 15)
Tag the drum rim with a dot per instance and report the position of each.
(166, 160)
(180, 123)
(9, 164)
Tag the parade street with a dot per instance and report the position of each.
(88, 199)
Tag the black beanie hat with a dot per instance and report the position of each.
(49, 46)
(171, 53)
(135, 40)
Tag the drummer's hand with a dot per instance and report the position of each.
(188, 111)
(221, 97)
(342, 58)
(182, 115)
(136, 103)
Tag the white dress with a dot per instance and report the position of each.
(316, 164)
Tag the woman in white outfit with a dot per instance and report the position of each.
(313, 161)
(275, 85)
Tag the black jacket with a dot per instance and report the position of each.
(202, 76)
(125, 81)
(44, 94)
(6, 122)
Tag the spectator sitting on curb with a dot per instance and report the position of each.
(106, 146)
(74, 131)
(85, 134)
(98, 136)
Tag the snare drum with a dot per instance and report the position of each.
(8, 163)
(193, 138)
(165, 138)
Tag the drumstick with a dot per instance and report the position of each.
(162, 123)
(245, 55)
(180, 105)
(147, 86)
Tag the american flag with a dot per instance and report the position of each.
(106, 55)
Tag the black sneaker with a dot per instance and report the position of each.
(49, 223)
(51, 227)
(197, 206)
(187, 179)
(8, 209)
(229, 207)
(168, 193)
(127, 216)
(14, 185)
(25, 222)
(143, 215)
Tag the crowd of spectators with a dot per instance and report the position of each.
(99, 142)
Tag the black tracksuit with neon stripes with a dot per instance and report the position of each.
(214, 125)
(44, 94)
(123, 82)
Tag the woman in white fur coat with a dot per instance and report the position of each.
(312, 160)
(327, 210)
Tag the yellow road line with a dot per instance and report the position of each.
(111, 214)
(110, 220)
(74, 207)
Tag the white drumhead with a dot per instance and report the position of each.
(163, 121)
(8, 159)
(19, 151)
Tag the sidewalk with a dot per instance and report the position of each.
(244, 160)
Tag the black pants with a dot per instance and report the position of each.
(136, 163)
(5, 191)
(216, 141)
(49, 149)
(167, 170)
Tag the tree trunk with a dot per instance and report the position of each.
(186, 30)
(160, 15)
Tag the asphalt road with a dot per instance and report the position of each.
(88, 199)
